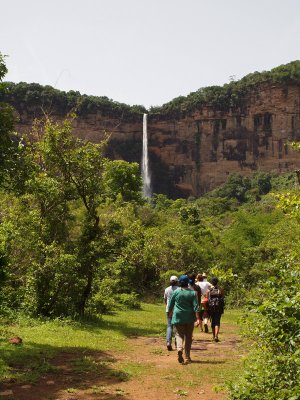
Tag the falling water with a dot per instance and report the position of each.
(145, 161)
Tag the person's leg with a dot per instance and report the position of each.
(213, 325)
(180, 332)
(201, 320)
(169, 333)
(188, 340)
(205, 320)
(217, 329)
(217, 326)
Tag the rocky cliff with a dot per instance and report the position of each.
(200, 150)
(194, 150)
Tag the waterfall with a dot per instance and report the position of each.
(145, 161)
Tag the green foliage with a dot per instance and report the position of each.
(230, 95)
(240, 189)
(161, 201)
(273, 369)
(129, 300)
(3, 69)
(190, 215)
(261, 181)
(235, 187)
(289, 203)
(122, 178)
(52, 271)
(242, 243)
(48, 99)
(8, 142)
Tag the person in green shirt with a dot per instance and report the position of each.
(184, 311)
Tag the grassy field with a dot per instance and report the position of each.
(45, 339)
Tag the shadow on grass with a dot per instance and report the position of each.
(123, 327)
(50, 371)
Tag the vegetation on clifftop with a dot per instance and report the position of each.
(33, 95)
(222, 98)
(230, 95)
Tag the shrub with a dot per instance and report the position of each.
(272, 370)
(129, 300)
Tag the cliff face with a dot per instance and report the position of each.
(203, 148)
(196, 152)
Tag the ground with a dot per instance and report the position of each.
(145, 370)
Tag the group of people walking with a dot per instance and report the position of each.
(192, 301)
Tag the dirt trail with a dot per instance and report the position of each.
(146, 370)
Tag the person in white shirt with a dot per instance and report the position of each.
(167, 297)
(205, 286)
(203, 283)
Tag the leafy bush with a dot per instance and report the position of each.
(273, 369)
(103, 301)
(129, 300)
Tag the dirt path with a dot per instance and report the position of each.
(146, 370)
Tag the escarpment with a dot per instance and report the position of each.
(194, 142)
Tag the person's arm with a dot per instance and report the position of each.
(171, 305)
(196, 309)
(165, 297)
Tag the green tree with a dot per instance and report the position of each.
(57, 268)
(8, 146)
(272, 370)
(78, 166)
(235, 187)
(122, 178)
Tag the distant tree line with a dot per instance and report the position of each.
(231, 95)
(49, 100)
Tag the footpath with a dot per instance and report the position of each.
(146, 370)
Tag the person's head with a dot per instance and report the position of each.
(184, 281)
(199, 278)
(192, 278)
(173, 280)
(214, 281)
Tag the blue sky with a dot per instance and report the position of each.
(145, 52)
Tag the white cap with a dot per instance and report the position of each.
(173, 278)
(204, 274)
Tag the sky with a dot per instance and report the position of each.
(145, 52)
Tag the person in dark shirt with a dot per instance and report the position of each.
(216, 307)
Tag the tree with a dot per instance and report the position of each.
(272, 370)
(122, 178)
(8, 146)
(78, 167)
(53, 268)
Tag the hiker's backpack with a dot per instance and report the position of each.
(215, 301)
